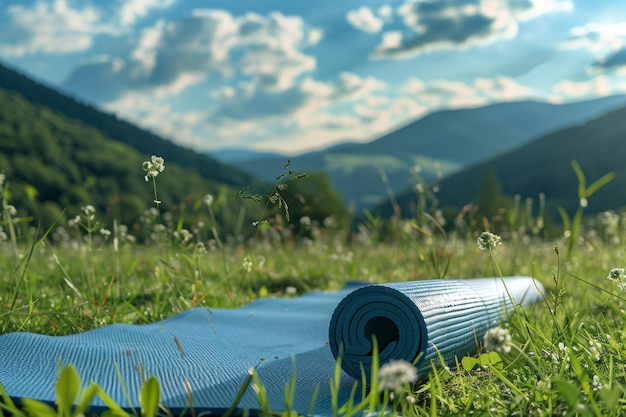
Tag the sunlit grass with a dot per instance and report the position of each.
(566, 355)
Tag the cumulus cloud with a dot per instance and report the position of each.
(607, 41)
(597, 37)
(311, 113)
(364, 19)
(49, 27)
(133, 10)
(355, 108)
(170, 56)
(59, 26)
(459, 23)
(598, 86)
(456, 94)
(250, 101)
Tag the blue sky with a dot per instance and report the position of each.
(293, 76)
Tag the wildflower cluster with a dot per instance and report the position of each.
(497, 340)
(618, 275)
(488, 241)
(394, 374)
(153, 167)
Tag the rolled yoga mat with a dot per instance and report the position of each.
(211, 351)
(435, 320)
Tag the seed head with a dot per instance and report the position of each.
(396, 373)
(616, 274)
(497, 340)
(488, 241)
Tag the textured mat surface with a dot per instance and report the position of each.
(212, 350)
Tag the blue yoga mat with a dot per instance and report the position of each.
(212, 350)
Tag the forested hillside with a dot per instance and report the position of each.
(53, 163)
(544, 166)
(122, 131)
(440, 144)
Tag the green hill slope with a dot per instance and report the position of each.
(446, 141)
(52, 162)
(122, 131)
(544, 166)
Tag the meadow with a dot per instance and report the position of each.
(564, 356)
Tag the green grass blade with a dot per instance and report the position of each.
(67, 388)
(150, 396)
(599, 183)
(581, 179)
(38, 409)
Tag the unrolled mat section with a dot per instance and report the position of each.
(423, 320)
(207, 353)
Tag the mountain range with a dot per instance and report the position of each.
(59, 153)
(544, 165)
(435, 146)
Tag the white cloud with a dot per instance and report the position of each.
(150, 111)
(132, 10)
(169, 57)
(311, 114)
(60, 26)
(359, 109)
(49, 27)
(456, 94)
(364, 19)
(254, 101)
(596, 87)
(460, 23)
(607, 41)
(600, 38)
(386, 13)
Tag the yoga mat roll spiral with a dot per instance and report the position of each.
(422, 320)
(211, 351)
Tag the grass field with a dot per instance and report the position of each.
(566, 356)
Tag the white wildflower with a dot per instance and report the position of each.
(247, 264)
(153, 167)
(396, 373)
(329, 222)
(74, 222)
(208, 200)
(11, 210)
(616, 274)
(595, 348)
(89, 211)
(595, 383)
(498, 340)
(488, 241)
(183, 236)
